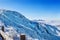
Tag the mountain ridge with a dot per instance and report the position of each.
(33, 29)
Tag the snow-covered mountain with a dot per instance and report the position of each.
(51, 22)
(16, 24)
(55, 23)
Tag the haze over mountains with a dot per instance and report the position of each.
(16, 24)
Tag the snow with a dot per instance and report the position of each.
(16, 24)
(5, 36)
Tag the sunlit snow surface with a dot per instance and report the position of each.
(16, 24)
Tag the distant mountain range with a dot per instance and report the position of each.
(16, 24)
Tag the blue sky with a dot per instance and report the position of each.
(34, 9)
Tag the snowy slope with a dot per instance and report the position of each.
(54, 23)
(51, 22)
(17, 23)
